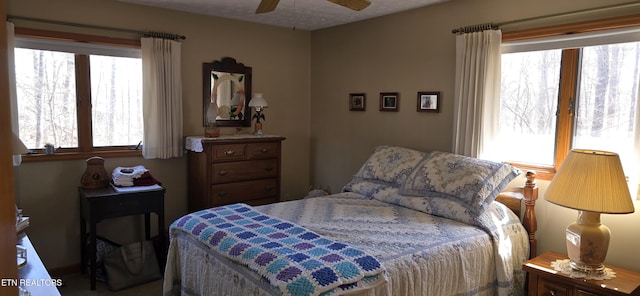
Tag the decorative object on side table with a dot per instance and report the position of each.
(258, 102)
(96, 175)
(591, 182)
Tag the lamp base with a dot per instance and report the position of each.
(587, 242)
(588, 269)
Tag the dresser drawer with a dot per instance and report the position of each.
(580, 292)
(229, 152)
(127, 204)
(551, 288)
(243, 191)
(243, 170)
(263, 150)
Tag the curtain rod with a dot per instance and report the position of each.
(482, 27)
(144, 34)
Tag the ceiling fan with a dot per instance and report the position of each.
(357, 5)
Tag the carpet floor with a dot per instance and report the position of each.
(78, 284)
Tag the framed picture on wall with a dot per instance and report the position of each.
(389, 101)
(357, 102)
(428, 101)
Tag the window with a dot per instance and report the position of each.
(606, 111)
(116, 100)
(572, 92)
(529, 99)
(81, 96)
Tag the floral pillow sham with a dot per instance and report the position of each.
(472, 182)
(433, 203)
(390, 164)
(370, 188)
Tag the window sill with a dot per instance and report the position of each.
(79, 155)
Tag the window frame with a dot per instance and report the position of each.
(85, 147)
(568, 80)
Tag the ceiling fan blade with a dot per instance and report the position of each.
(356, 5)
(267, 6)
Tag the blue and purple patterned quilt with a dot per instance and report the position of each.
(294, 259)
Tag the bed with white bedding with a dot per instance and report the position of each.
(428, 219)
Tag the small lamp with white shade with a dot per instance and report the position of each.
(591, 182)
(18, 148)
(258, 102)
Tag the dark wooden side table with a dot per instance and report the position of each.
(544, 280)
(104, 203)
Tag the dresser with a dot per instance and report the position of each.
(544, 280)
(232, 169)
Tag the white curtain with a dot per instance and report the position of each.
(162, 98)
(477, 93)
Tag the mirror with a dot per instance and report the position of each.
(226, 93)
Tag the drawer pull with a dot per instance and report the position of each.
(552, 293)
(268, 188)
(264, 150)
(223, 173)
(268, 169)
(222, 194)
(229, 153)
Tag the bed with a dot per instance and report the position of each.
(408, 223)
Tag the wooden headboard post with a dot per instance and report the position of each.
(530, 192)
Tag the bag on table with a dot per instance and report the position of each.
(131, 265)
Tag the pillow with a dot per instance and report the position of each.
(370, 188)
(471, 181)
(390, 164)
(433, 203)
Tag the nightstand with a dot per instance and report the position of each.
(104, 203)
(544, 280)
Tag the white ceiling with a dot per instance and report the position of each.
(299, 14)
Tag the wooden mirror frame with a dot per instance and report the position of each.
(229, 65)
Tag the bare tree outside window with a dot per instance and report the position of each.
(607, 99)
(47, 99)
(529, 99)
(116, 93)
(605, 106)
(45, 82)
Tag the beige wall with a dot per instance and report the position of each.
(311, 73)
(279, 57)
(415, 51)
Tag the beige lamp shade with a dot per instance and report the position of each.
(591, 180)
(18, 146)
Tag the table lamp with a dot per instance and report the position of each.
(258, 102)
(591, 182)
(18, 148)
